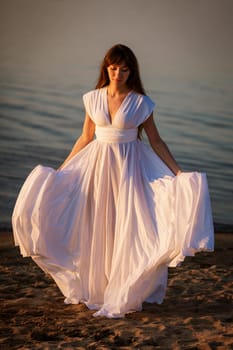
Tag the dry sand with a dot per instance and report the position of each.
(196, 313)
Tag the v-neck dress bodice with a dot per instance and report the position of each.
(107, 226)
(133, 111)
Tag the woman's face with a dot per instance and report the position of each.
(118, 74)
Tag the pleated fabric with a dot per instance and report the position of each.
(110, 223)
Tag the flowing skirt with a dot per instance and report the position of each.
(109, 224)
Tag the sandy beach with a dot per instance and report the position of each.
(196, 314)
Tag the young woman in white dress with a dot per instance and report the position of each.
(107, 224)
(117, 89)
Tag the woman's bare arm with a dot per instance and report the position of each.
(85, 138)
(159, 146)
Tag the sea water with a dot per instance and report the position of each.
(41, 119)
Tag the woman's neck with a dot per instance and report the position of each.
(117, 90)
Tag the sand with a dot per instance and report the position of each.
(196, 314)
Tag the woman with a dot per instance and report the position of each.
(110, 221)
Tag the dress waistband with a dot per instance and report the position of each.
(111, 134)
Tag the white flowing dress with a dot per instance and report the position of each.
(109, 224)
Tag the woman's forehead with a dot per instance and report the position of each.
(121, 64)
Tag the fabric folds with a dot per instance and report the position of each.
(109, 224)
(107, 234)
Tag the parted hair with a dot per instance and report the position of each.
(119, 54)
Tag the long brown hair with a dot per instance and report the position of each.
(119, 54)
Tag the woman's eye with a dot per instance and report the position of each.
(123, 70)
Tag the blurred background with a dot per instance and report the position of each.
(50, 53)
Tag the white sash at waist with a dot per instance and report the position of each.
(111, 134)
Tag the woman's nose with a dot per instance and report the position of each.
(118, 72)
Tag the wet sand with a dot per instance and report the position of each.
(196, 314)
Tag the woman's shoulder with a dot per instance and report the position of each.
(92, 100)
(145, 100)
(92, 93)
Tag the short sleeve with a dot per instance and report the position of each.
(87, 102)
(149, 106)
(145, 109)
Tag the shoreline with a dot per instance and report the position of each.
(221, 238)
(195, 314)
(218, 228)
